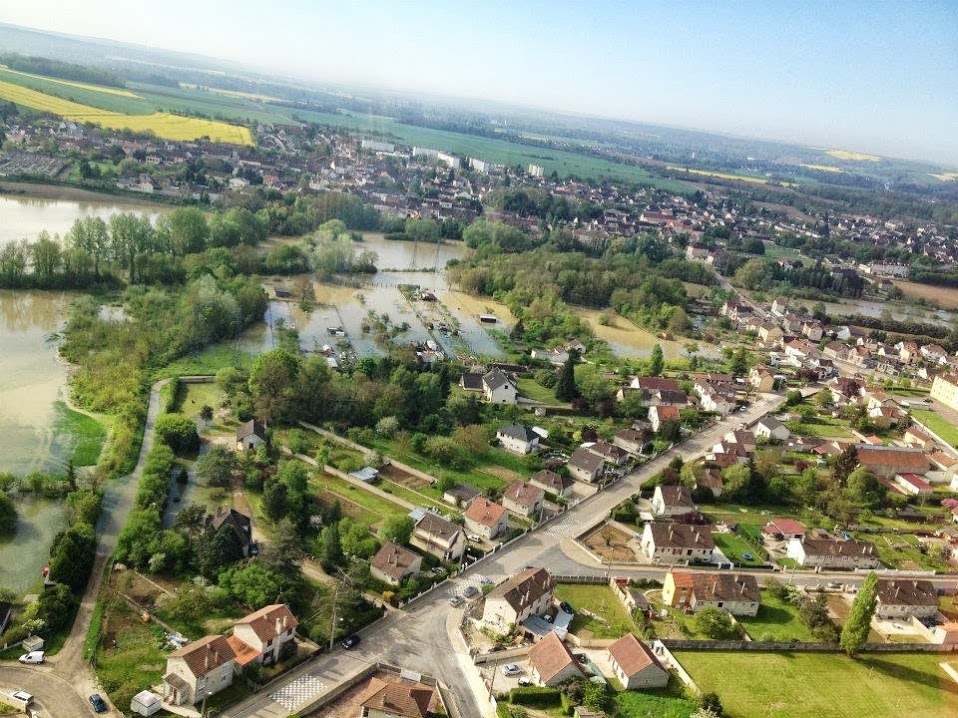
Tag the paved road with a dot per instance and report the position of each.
(66, 680)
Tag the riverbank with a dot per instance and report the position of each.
(72, 193)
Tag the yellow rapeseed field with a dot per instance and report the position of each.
(720, 175)
(161, 124)
(824, 168)
(946, 176)
(119, 91)
(853, 156)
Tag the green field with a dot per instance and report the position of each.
(531, 389)
(207, 362)
(377, 507)
(776, 619)
(662, 703)
(85, 434)
(613, 620)
(814, 685)
(939, 424)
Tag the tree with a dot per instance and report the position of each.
(710, 701)
(275, 500)
(845, 464)
(8, 515)
(178, 432)
(284, 552)
(184, 229)
(219, 548)
(254, 584)
(738, 362)
(714, 623)
(272, 384)
(566, 389)
(793, 397)
(864, 489)
(215, 467)
(330, 548)
(72, 556)
(855, 631)
(397, 529)
(657, 361)
(191, 521)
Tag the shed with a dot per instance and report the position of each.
(367, 474)
(145, 703)
(32, 643)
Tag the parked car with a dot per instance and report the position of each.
(566, 607)
(470, 591)
(98, 704)
(747, 556)
(475, 538)
(512, 669)
(485, 580)
(549, 617)
(350, 642)
(525, 681)
(437, 569)
(27, 698)
(455, 601)
(32, 658)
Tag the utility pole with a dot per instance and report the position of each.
(332, 622)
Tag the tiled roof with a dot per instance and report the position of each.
(394, 560)
(906, 592)
(400, 699)
(673, 535)
(266, 620)
(523, 494)
(205, 655)
(632, 655)
(551, 656)
(524, 588)
(485, 512)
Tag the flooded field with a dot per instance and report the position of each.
(26, 217)
(899, 310)
(25, 555)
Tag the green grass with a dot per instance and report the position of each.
(415, 497)
(734, 547)
(207, 362)
(667, 702)
(598, 599)
(814, 685)
(821, 427)
(902, 551)
(939, 424)
(378, 507)
(135, 662)
(531, 389)
(779, 619)
(86, 434)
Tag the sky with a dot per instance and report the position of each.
(878, 76)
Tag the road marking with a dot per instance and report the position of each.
(299, 691)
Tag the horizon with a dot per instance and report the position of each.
(838, 84)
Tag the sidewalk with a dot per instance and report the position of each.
(468, 668)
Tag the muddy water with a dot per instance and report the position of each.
(26, 217)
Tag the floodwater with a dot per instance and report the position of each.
(26, 217)
(25, 555)
(899, 310)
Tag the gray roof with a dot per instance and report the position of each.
(250, 428)
(584, 459)
(437, 526)
(471, 381)
(495, 379)
(518, 431)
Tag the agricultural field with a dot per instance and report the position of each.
(820, 685)
(939, 424)
(366, 507)
(162, 124)
(852, 156)
(824, 168)
(946, 176)
(718, 175)
(609, 619)
(945, 297)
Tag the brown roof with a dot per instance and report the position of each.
(523, 494)
(244, 653)
(676, 496)
(784, 527)
(608, 451)
(394, 560)
(906, 592)
(673, 535)
(437, 526)
(270, 621)
(711, 587)
(409, 700)
(654, 383)
(584, 459)
(632, 655)
(667, 412)
(551, 656)
(205, 655)
(524, 588)
(553, 482)
(485, 512)
(911, 460)
(710, 479)
(838, 547)
(631, 435)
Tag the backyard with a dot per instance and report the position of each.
(816, 685)
(364, 506)
(670, 702)
(735, 549)
(609, 618)
(776, 620)
(939, 424)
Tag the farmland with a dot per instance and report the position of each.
(811, 685)
(719, 175)
(945, 297)
(852, 156)
(162, 124)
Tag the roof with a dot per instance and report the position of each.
(177, 681)
(673, 535)
(608, 451)
(524, 588)
(584, 459)
(710, 479)
(205, 655)
(633, 435)
(552, 481)
(394, 560)
(653, 383)
(632, 655)
(677, 496)
(714, 587)
(485, 512)
(912, 460)
(437, 526)
(916, 481)
(838, 547)
(463, 492)
(496, 379)
(666, 412)
(518, 431)
(770, 423)
(241, 524)
(268, 619)
(471, 381)
(907, 592)
(243, 652)
(523, 494)
(786, 527)
(409, 700)
(250, 428)
(551, 656)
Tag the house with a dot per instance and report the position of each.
(945, 389)
(486, 518)
(671, 501)
(912, 484)
(635, 665)
(436, 536)
(269, 632)
(780, 306)
(671, 542)
(610, 453)
(761, 378)
(523, 499)
(813, 330)
(249, 435)
(771, 429)
(392, 563)
(692, 591)
(918, 439)
(630, 439)
(403, 699)
(784, 529)
(551, 482)
(660, 414)
(769, 332)
(471, 381)
(518, 438)
(668, 397)
(740, 437)
(584, 465)
(712, 480)
(832, 553)
(906, 598)
(557, 356)
(499, 388)
(711, 400)
(886, 461)
(198, 669)
(528, 593)
(650, 384)
(240, 523)
(552, 662)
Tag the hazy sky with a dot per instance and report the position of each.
(869, 76)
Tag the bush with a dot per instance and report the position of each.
(538, 696)
(178, 432)
(714, 623)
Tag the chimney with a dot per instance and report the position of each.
(279, 626)
(284, 621)
(206, 660)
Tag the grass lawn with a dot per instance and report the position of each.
(85, 434)
(376, 505)
(613, 622)
(135, 661)
(779, 619)
(735, 548)
(903, 551)
(667, 702)
(821, 427)
(939, 424)
(415, 497)
(207, 362)
(824, 685)
(531, 389)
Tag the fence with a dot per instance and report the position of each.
(800, 647)
(662, 651)
(500, 655)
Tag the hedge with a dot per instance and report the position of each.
(539, 696)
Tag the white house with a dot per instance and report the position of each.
(694, 590)
(552, 662)
(771, 429)
(523, 499)
(518, 438)
(267, 631)
(584, 465)
(635, 665)
(486, 518)
(673, 543)
(526, 594)
(905, 598)
(833, 553)
(436, 536)
(499, 388)
(668, 501)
